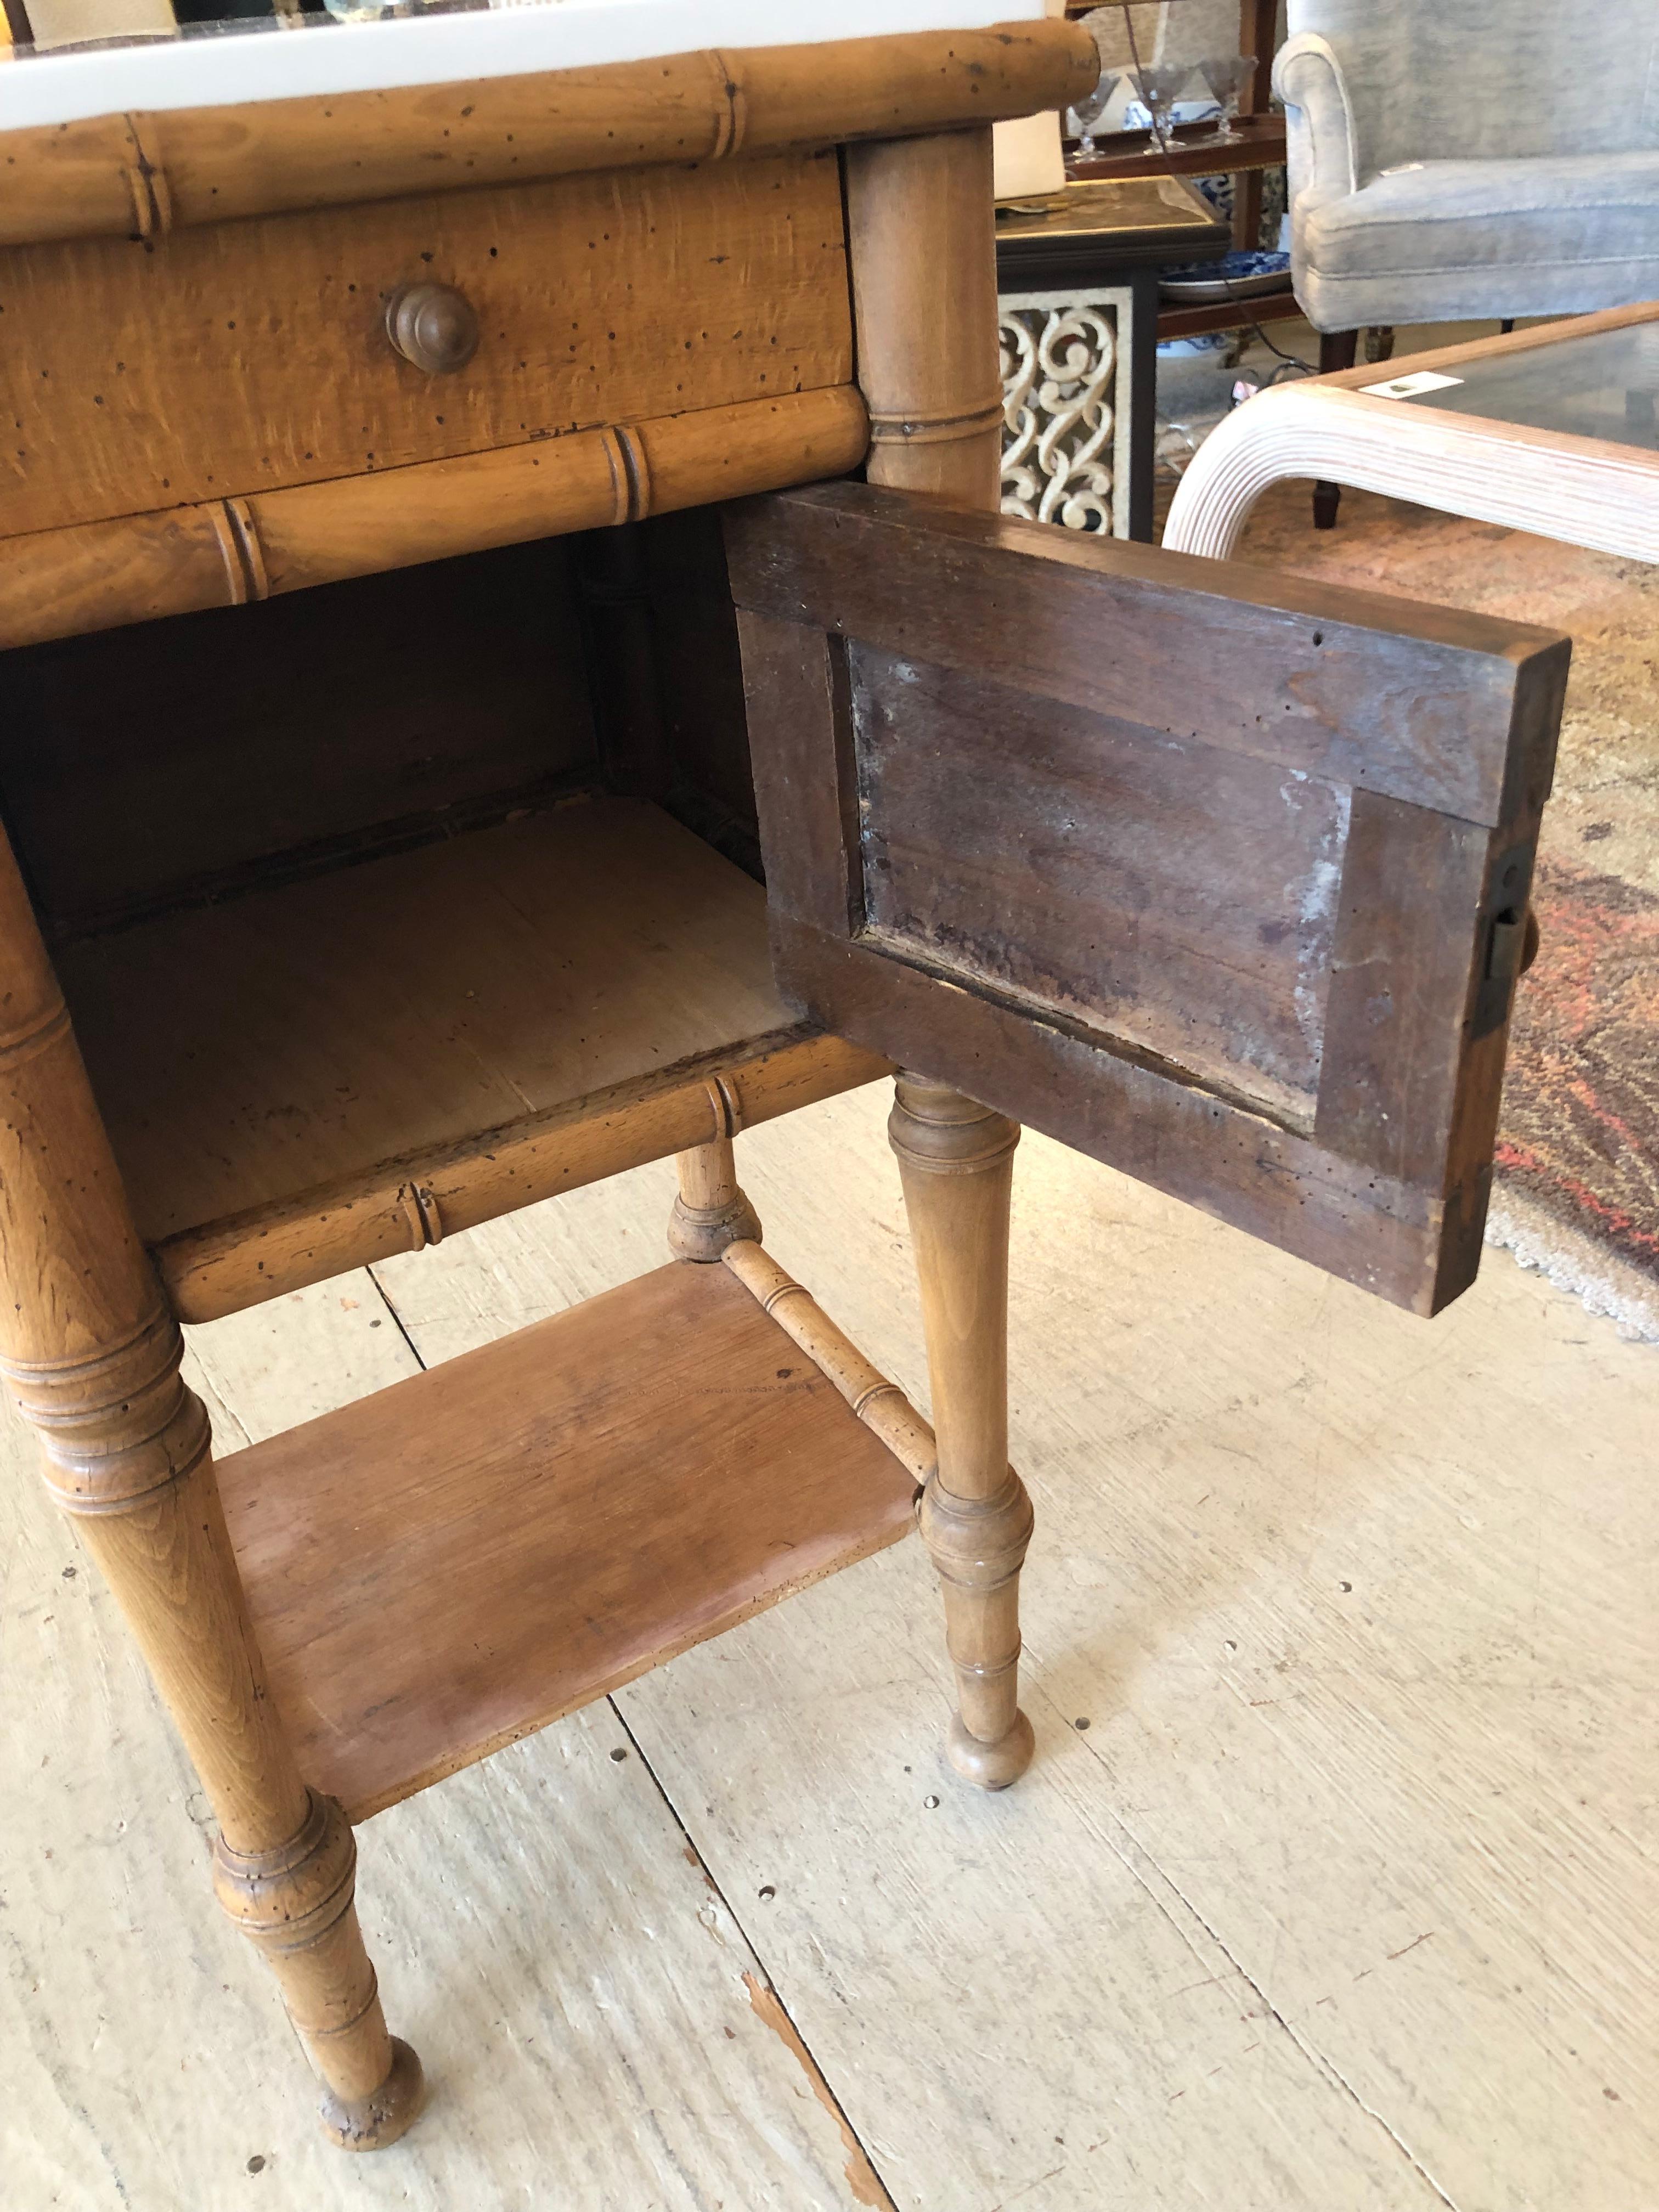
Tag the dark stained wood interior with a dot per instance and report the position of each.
(1157, 889)
(189, 759)
(668, 674)
(1207, 872)
(151, 767)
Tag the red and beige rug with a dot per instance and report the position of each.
(1578, 1155)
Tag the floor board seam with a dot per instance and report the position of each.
(1309, 2050)
(384, 1297)
(889, 2203)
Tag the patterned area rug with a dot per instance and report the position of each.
(1578, 1154)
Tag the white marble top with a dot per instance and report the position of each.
(511, 41)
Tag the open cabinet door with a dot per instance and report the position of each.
(1220, 875)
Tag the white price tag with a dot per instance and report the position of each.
(1408, 387)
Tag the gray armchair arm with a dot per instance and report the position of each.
(1323, 149)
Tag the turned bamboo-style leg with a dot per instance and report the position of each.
(957, 1161)
(711, 1210)
(921, 231)
(91, 1355)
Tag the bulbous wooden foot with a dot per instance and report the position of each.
(371, 2122)
(978, 1546)
(990, 1766)
(296, 1904)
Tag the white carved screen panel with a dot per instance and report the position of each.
(1066, 388)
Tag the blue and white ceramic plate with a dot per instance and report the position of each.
(1236, 277)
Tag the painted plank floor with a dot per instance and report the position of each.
(1342, 1897)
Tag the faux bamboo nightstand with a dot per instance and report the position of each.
(388, 772)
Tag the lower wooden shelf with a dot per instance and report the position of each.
(454, 1561)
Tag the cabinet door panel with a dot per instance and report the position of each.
(1214, 874)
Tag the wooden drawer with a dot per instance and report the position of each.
(140, 376)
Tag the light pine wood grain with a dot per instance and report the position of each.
(140, 176)
(242, 357)
(1050, 2025)
(302, 1079)
(91, 1360)
(465, 1557)
(711, 1210)
(88, 576)
(956, 1166)
(251, 1049)
(918, 232)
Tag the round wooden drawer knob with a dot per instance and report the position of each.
(433, 325)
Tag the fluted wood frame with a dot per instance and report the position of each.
(921, 232)
(91, 1355)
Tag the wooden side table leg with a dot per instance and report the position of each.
(711, 1210)
(955, 1160)
(922, 228)
(924, 302)
(91, 1355)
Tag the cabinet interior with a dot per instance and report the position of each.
(353, 881)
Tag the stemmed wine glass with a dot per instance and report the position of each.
(1227, 75)
(1089, 109)
(1159, 89)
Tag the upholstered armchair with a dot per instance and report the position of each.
(1452, 160)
